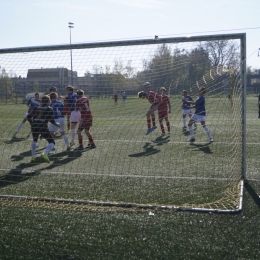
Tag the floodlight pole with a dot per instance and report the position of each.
(71, 75)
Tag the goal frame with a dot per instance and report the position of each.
(239, 36)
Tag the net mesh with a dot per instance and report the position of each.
(128, 168)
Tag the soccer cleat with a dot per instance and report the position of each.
(211, 140)
(68, 148)
(14, 134)
(184, 127)
(32, 159)
(154, 127)
(53, 148)
(162, 134)
(28, 134)
(72, 143)
(45, 158)
(169, 132)
(149, 131)
(80, 148)
(91, 146)
(192, 140)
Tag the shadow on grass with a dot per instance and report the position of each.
(201, 147)
(162, 140)
(148, 150)
(24, 154)
(16, 176)
(15, 140)
(186, 132)
(252, 193)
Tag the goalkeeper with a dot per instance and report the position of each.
(155, 101)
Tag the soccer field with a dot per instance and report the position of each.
(38, 230)
(128, 167)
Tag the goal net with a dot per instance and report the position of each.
(129, 168)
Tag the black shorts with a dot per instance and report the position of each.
(43, 132)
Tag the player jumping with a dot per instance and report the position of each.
(163, 109)
(155, 100)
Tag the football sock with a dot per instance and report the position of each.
(73, 134)
(48, 148)
(33, 148)
(207, 132)
(66, 140)
(149, 123)
(162, 128)
(90, 139)
(80, 139)
(168, 126)
(153, 121)
(19, 127)
(191, 131)
(184, 121)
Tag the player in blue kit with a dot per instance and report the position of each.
(199, 115)
(186, 109)
(58, 108)
(31, 103)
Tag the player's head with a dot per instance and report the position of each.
(147, 85)
(37, 95)
(69, 89)
(45, 100)
(53, 96)
(80, 93)
(53, 89)
(185, 93)
(163, 89)
(141, 94)
(202, 90)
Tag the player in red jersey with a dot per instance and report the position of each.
(163, 111)
(155, 100)
(115, 98)
(82, 105)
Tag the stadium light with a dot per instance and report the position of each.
(71, 25)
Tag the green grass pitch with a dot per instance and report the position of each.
(129, 167)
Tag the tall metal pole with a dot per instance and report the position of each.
(243, 83)
(71, 75)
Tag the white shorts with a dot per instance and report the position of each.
(75, 116)
(187, 112)
(25, 116)
(53, 128)
(198, 118)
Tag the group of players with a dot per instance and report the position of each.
(51, 109)
(77, 109)
(162, 104)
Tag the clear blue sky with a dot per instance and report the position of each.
(45, 22)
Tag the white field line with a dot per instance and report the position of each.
(145, 141)
(121, 175)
